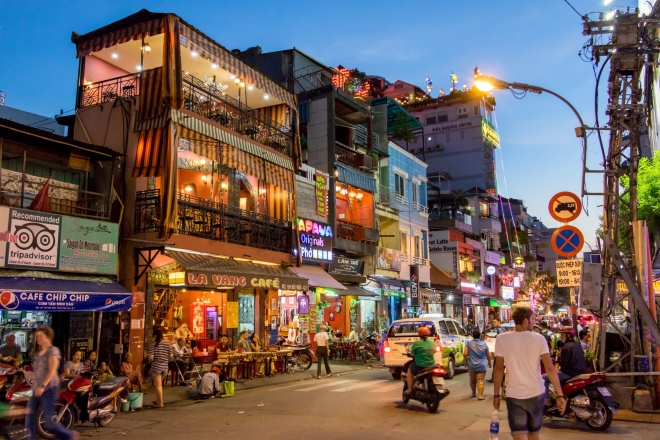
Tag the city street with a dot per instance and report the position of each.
(363, 404)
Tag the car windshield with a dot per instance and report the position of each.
(409, 328)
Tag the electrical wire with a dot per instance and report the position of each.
(600, 138)
(569, 4)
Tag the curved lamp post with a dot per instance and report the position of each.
(488, 83)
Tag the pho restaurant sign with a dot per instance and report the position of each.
(315, 240)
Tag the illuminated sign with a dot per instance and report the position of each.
(321, 193)
(507, 292)
(490, 134)
(315, 240)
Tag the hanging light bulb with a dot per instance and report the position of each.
(214, 65)
(338, 188)
(202, 161)
(242, 83)
(114, 55)
(351, 194)
(223, 186)
(194, 53)
(359, 196)
(188, 187)
(237, 80)
(146, 47)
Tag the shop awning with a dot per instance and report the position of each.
(204, 270)
(318, 277)
(353, 290)
(63, 294)
(429, 294)
(441, 277)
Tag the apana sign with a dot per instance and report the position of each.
(315, 240)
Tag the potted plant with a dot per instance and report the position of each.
(589, 357)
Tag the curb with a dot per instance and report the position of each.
(626, 415)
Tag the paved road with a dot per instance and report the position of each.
(362, 405)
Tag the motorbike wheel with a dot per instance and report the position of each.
(67, 418)
(304, 361)
(451, 369)
(434, 402)
(105, 422)
(604, 420)
(397, 374)
(405, 397)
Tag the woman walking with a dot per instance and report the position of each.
(160, 353)
(476, 358)
(45, 385)
(322, 349)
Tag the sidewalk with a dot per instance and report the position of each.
(626, 415)
(173, 395)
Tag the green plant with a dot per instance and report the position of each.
(323, 304)
(354, 303)
(471, 275)
(589, 355)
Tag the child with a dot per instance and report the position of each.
(104, 372)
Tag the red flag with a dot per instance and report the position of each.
(42, 202)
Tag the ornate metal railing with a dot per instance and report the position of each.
(107, 91)
(347, 156)
(204, 218)
(207, 100)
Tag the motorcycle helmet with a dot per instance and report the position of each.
(568, 330)
(423, 331)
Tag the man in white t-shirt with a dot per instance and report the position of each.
(322, 350)
(521, 350)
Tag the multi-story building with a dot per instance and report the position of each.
(458, 141)
(210, 150)
(59, 229)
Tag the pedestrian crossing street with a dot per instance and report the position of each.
(344, 386)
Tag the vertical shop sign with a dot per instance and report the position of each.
(232, 315)
(322, 193)
(414, 285)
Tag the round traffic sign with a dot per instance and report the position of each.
(567, 241)
(565, 207)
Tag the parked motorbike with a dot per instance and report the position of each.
(20, 392)
(368, 349)
(82, 399)
(302, 356)
(6, 372)
(589, 401)
(428, 386)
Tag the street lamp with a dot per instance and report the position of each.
(488, 83)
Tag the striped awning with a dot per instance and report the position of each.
(356, 178)
(429, 294)
(209, 49)
(232, 157)
(150, 153)
(318, 277)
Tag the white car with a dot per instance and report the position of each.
(449, 335)
(491, 335)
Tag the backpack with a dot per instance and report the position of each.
(548, 338)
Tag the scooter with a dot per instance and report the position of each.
(82, 400)
(302, 356)
(589, 401)
(368, 349)
(20, 392)
(428, 386)
(6, 371)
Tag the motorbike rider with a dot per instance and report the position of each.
(571, 358)
(422, 350)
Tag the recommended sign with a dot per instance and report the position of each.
(569, 273)
(567, 241)
(565, 207)
(44, 241)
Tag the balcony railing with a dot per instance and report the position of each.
(449, 215)
(410, 259)
(208, 101)
(360, 136)
(107, 91)
(215, 221)
(420, 208)
(353, 232)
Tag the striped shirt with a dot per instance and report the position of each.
(161, 354)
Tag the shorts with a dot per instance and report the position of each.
(525, 415)
(416, 369)
(477, 378)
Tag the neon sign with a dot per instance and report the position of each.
(315, 240)
(490, 134)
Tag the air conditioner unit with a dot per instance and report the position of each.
(439, 147)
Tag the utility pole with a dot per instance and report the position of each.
(631, 43)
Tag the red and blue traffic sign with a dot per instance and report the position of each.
(567, 241)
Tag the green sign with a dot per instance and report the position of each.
(394, 293)
(45, 241)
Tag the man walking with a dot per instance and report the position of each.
(495, 327)
(521, 350)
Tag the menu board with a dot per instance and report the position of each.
(81, 325)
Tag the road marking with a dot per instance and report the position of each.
(386, 388)
(325, 385)
(356, 386)
(304, 382)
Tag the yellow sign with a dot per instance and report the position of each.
(622, 288)
(232, 315)
(490, 134)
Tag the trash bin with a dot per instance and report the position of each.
(135, 400)
(642, 364)
(125, 405)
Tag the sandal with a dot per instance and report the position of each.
(156, 404)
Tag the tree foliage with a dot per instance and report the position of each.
(400, 130)
(540, 284)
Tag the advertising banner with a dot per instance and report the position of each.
(346, 266)
(389, 259)
(44, 241)
(414, 285)
(321, 190)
